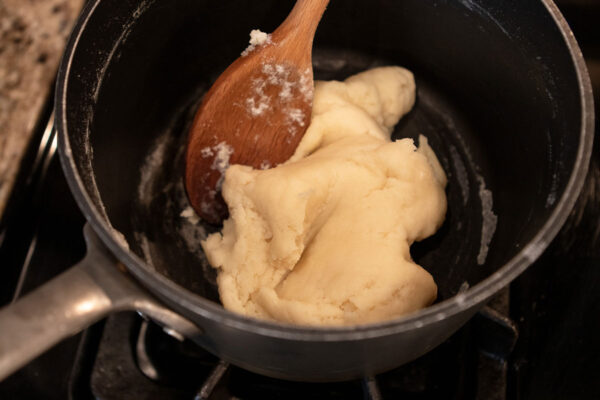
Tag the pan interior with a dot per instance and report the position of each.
(162, 235)
(160, 240)
(494, 99)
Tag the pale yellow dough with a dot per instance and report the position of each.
(324, 238)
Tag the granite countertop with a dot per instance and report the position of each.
(32, 37)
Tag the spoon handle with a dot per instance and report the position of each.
(301, 24)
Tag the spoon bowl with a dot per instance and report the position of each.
(256, 112)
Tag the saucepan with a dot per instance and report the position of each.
(503, 97)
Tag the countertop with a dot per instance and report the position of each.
(33, 34)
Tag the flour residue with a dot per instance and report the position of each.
(477, 8)
(119, 237)
(207, 152)
(222, 153)
(191, 230)
(265, 164)
(552, 193)
(551, 199)
(180, 218)
(278, 87)
(489, 220)
(115, 51)
(144, 245)
(189, 214)
(257, 39)
(152, 164)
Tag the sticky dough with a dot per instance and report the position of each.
(324, 238)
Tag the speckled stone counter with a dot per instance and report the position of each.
(32, 37)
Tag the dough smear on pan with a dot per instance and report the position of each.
(324, 238)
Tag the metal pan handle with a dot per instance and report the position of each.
(72, 301)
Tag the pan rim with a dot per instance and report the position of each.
(163, 287)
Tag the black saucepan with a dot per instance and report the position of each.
(504, 98)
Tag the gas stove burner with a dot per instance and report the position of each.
(135, 358)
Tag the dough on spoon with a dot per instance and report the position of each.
(324, 238)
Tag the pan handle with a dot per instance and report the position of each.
(97, 286)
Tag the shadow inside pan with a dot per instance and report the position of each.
(499, 111)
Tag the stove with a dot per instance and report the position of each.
(535, 340)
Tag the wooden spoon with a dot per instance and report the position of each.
(256, 112)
